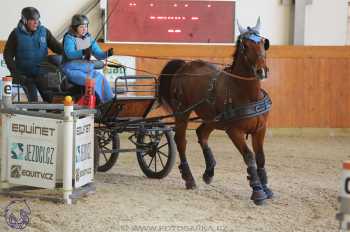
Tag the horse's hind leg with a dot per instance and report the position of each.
(203, 132)
(258, 147)
(180, 139)
(237, 137)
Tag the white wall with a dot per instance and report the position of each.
(276, 18)
(326, 22)
(55, 14)
(348, 26)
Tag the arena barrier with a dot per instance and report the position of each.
(46, 146)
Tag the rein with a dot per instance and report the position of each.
(188, 75)
(163, 58)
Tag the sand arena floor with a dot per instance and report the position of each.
(304, 173)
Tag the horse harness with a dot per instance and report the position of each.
(232, 112)
(249, 110)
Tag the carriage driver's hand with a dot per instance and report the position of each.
(110, 52)
(87, 53)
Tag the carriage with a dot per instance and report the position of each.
(153, 139)
(230, 99)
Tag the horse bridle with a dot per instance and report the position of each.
(241, 49)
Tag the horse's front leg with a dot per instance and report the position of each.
(180, 140)
(258, 147)
(203, 132)
(237, 137)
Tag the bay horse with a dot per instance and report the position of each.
(185, 84)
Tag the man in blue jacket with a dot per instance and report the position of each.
(26, 47)
(79, 46)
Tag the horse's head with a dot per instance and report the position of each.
(251, 50)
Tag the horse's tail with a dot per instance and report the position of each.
(165, 78)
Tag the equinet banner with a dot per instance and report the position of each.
(32, 151)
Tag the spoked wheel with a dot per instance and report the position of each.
(109, 144)
(96, 153)
(158, 154)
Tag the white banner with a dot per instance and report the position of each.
(3, 71)
(84, 151)
(32, 150)
(112, 73)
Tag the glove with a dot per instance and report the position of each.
(87, 53)
(110, 52)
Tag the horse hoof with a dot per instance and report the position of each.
(191, 185)
(207, 179)
(258, 197)
(259, 202)
(268, 192)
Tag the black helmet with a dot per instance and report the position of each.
(79, 19)
(30, 13)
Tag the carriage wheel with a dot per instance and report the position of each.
(96, 153)
(108, 143)
(158, 155)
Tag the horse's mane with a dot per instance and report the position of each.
(235, 54)
(238, 44)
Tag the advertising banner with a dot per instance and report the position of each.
(84, 151)
(32, 150)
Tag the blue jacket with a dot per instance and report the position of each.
(71, 51)
(31, 49)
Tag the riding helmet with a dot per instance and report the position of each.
(79, 19)
(30, 13)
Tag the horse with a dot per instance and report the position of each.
(201, 87)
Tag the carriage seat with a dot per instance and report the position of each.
(52, 76)
(53, 81)
(54, 64)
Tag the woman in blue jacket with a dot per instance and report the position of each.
(78, 47)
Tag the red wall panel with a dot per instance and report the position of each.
(171, 21)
